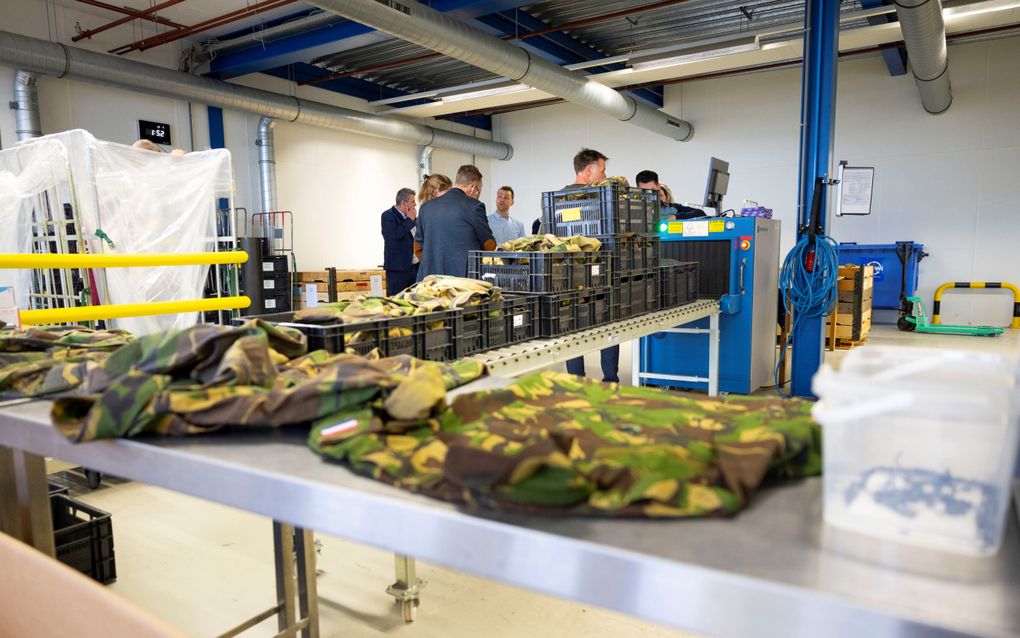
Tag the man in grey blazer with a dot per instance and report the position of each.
(453, 224)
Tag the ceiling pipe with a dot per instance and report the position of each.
(267, 164)
(924, 33)
(424, 163)
(26, 105)
(207, 51)
(130, 14)
(50, 58)
(434, 30)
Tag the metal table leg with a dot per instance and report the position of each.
(713, 354)
(407, 588)
(308, 596)
(25, 499)
(283, 549)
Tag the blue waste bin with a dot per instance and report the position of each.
(889, 261)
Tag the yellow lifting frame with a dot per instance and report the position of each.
(937, 305)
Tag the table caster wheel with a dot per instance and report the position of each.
(408, 609)
(93, 478)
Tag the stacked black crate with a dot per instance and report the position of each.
(624, 219)
(271, 276)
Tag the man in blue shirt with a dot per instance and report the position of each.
(398, 243)
(504, 227)
(451, 225)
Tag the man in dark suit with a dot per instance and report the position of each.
(452, 225)
(398, 242)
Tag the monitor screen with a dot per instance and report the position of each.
(718, 181)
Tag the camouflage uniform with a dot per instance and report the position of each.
(554, 442)
(439, 292)
(38, 361)
(253, 376)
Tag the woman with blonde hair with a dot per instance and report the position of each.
(434, 186)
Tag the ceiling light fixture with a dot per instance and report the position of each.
(703, 50)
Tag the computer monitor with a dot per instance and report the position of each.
(718, 180)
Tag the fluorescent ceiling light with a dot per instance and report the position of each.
(694, 51)
(977, 8)
(470, 95)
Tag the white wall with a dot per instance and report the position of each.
(946, 181)
(336, 184)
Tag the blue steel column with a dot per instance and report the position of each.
(817, 116)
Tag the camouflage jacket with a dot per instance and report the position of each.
(552, 244)
(554, 442)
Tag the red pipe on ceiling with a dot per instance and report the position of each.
(212, 23)
(130, 14)
(517, 36)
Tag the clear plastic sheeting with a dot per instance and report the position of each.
(146, 202)
(30, 177)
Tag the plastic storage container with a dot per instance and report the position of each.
(521, 315)
(83, 537)
(631, 253)
(919, 445)
(527, 271)
(600, 210)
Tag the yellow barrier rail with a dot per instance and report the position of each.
(121, 261)
(119, 311)
(937, 305)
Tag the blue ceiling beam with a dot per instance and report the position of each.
(559, 47)
(362, 89)
(895, 59)
(343, 35)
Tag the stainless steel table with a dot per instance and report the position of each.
(771, 571)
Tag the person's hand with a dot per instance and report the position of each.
(412, 214)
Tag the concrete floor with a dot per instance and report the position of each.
(204, 567)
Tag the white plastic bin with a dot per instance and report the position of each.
(920, 444)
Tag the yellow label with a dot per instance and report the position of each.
(571, 214)
(675, 227)
(717, 226)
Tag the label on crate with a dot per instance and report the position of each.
(675, 227)
(717, 226)
(571, 214)
(268, 284)
(376, 285)
(270, 304)
(695, 229)
(267, 266)
(518, 321)
(311, 296)
(596, 269)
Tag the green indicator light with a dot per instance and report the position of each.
(662, 227)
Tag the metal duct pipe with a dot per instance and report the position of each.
(26, 105)
(49, 58)
(267, 164)
(432, 29)
(924, 34)
(424, 163)
(209, 50)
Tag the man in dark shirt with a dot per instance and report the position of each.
(453, 224)
(398, 243)
(590, 168)
(667, 209)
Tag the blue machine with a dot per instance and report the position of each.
(739, 265)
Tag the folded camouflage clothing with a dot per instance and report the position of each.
(38, 361)
(440, 292)
(556, 443)
(253, 376)
(361, 308)
(552, 244)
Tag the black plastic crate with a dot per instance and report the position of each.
(280, 302)
(471, 327)
(83, 537)
(526, 271)
(678, 284)
(631, 253)
(635, 294)
(434, 335)
(496, 333)
(57, 489)
(599, 268)
(275, 265)
(593, 308)
(521, 315)
(600, 210)
(557, 314)
(274, 284)
(360, 337)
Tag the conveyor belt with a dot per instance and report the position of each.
(539, 353)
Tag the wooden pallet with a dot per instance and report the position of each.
(844, 344)
(850, 322)
(341, 275)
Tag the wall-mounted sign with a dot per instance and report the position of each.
(156, 132)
